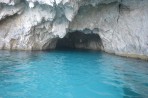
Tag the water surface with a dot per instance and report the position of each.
(71, 74)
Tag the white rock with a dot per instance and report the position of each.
(121, 24)
(31, 4)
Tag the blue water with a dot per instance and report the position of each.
(71, 74)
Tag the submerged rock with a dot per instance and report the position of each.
(38, 24)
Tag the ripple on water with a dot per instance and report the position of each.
(71, 74)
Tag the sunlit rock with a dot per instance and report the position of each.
(38, 24)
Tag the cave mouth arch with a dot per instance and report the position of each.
(79, 40)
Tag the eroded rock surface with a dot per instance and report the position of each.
(37, 24)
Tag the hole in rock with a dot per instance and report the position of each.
(79, 40)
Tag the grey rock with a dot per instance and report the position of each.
(37, 24)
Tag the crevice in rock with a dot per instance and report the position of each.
(123, 7)
(80, 40)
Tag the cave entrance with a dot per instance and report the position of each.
(80, 40)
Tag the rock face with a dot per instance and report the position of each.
(38, 24)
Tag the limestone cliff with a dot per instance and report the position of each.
(37, 24)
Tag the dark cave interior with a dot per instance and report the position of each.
(80, 40)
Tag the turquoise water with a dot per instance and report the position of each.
(71, 74)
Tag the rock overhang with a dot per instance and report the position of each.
(39, 22)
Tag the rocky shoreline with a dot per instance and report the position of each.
(38, 25)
